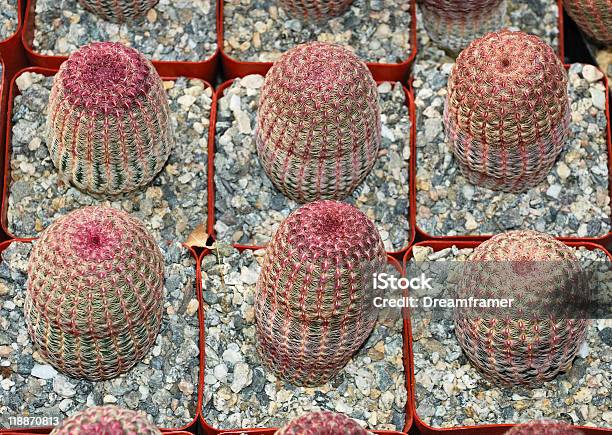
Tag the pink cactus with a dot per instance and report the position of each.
(323, 423)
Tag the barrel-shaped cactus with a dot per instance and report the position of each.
(94, 296)
(315, 10)
(538, 335)
(314, 299)
(119, 11)
(453, 24)
(507, 111)
(544, 427)
(108, 122)
(594, 17)
(106, 420)
(318, 126)
(322, 423)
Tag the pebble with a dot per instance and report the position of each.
(374, 34)
(592, 74)
(43, 371)
(241, 392)
(249, 208)
(446, 380)
(171, 31)
(171, 206)
(173, 374)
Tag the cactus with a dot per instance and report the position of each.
(106, 420)
(594, 17)
(544, 427)
(507, 111)
(322, 423)
(94, 298)
(108, 121)
(453, 24)
(537, 337)
(119, 11)
(313, 303)
(318, 127)
(315, 10)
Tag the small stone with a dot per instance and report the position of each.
(186, 388)
(243, 376)
(186, 100)
(554, 191)
(598, 97)
(152, 16)
(43, 371)
(24, 81)
(62, 387)
(192, 307)
(232, 354)
(591, 73)
(563, 171)
(109, 398)
(252, 81)
(7, 384)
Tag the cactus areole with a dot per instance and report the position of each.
(108, 121)
(94, 298)
(318, 122)
(313, 303)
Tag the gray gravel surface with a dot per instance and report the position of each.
(174, 30)
(171, 206)
(163, 385)
(451, 392)
(240, 392)
(8, 18)
(248, 208)
(260, 31)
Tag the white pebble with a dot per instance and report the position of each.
(43, 371)
(591, 73)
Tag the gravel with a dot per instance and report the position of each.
(376, 30)
(174, 30)
(163, 385)
(8, 18)
(240, 392)
(574, 199)
(248, 208)
(450, 392)
(171, 206)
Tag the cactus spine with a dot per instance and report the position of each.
(507, 111)
(318, 127)
(313, 303)
(108, 121)
(94, 298)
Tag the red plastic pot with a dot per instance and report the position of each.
(411, 173)
(407, 360)
(604, 240)
(191, 427)
(397, 72)
(6, 155)
(205, 69)
(489, 429)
